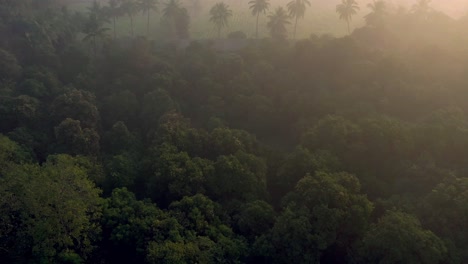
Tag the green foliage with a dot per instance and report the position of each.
(11, 153)
(75, 140)
(54, 210)
(399, 237)
(237, 150)
(444, 211)
(9, 67)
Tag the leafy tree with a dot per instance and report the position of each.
(176, 175)
(219, 15)
(54, 209)
(9, 67)
(347, 9)
(200, 217)
(399, 237)
(323, 217)
(277, 24)
(11, 153)
(40, 82)
(258, 7)
(239, 177)
(256, 219)
(73, 139)
(378, 13)
(128, 226)
(147, 6)
(443, 210)
(76, 104)
(296, 9)
(120, 106)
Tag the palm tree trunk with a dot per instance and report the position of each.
(115, 35)
(94, 46)
(256, 29)
(349, 30)
(295, 27)
(147, 24)
(131, 24)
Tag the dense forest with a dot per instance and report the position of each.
(250, 147)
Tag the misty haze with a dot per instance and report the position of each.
(234, 131)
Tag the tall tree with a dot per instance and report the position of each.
(130, 7)
(147, 6)
(177, 17)
(114, 10)
(378, 11)
(219, 15)
(296, 9)
(347, 9)
(94, 30)
(277, 23)
(258, 7)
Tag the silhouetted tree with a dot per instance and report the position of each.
(113, 10)
(258, 7)
(296, 9)
(378, 12)
(347, 9)
(277, 24)
(130, 7)
(177, 17)
(219, 15)
(147, 6)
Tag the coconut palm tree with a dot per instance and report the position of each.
(277, 23)
(296, 9)
(97, 11)
(130, 7)
(146, 6)
(113, 11)
(177, 17)
(258, 7)
(94, 30)
(378, 12)
(347, 9)
(219, 15)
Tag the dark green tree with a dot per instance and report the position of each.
(399, 237)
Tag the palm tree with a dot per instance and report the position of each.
(147, 6)
(177, 17)
(347, 9)
(98, 12)
(378, 11)
(277, 23)
(219, 15)
(113, 11)
(258, 7)
(94, 30)
(130, 7)
(422, 8)
(296, 9)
